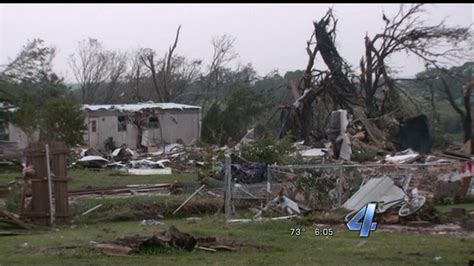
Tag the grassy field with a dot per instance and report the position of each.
(269, 243)
(83, 178)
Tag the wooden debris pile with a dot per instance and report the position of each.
(169, 239)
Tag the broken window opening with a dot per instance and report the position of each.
(93, 126)
(122, 123)
(153, 122)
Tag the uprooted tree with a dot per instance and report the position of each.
(372, 94)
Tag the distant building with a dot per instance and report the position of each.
(12, 134)
(141, 124)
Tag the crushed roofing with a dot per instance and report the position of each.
(138, 106)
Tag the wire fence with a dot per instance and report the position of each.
(328, 186)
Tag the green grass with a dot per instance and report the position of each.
(83, 178)
(447, 208)
(6, 177)
(142, 207)
(276, 246)
(121, 217)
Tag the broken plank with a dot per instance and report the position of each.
(188, 199)
(16, 220)
(206, 249)
(92, 209)
(222, 247)
(112, 249)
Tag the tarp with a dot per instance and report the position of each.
(414, 133)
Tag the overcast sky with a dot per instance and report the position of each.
(270, 36)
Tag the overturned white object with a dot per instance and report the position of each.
(290, 206)
(346, 150)
(131, 152)
(91, 158)
(160, 171)
(381, 189)
(313, 152)
(402, 157)
(147, 164)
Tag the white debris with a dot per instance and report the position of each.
(381, 189)
(174, 147)
(402, 157)
(313, 152)
(165, 171)
(147, 164)
(151, 222)
(92, 158)
(138, 106)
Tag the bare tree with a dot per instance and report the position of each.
(90, 67)
(405, 32)
(223, 54)
(183, 73)
(161, 70)
(117, 67)
(137, 72)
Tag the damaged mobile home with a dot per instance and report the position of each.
(141, 124)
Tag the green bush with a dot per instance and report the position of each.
(12, 202)
(269, 150)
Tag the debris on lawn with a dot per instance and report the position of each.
(92, 209)
(171, 238)
(246, 173)
(151, 222)
(403, 157)
(92, 161)
(188, 199)
(13, 219)
(123, 154)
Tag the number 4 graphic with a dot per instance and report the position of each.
(367, 212)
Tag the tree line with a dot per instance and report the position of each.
(236, 98)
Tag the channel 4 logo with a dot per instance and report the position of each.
(366, 215)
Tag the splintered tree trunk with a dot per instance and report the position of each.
(345, 90)
(307, 120)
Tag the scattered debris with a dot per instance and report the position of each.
(246, 173)
(151, 222)
(165, 171)
(13, 219)
(260, 219)
(406, 156)
(112, 249)
(171, 238)
(92, 161)
(123, 154)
